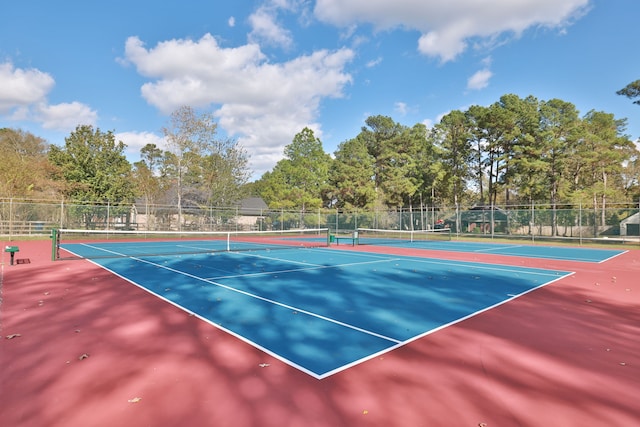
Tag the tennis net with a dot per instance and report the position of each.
(370, 236)
(74, 244)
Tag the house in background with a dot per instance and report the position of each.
(478, 219)
(251, 212)
(630, 226)
(248, 214)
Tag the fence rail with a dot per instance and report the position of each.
(619, 222)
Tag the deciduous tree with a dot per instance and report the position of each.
(209, 170)
(94, 169)
(24, 167)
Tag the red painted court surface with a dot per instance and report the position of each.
(81, 347)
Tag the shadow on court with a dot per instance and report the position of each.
(322, 317)
(566, 354)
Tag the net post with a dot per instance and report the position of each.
(55, 236)
(228, 242)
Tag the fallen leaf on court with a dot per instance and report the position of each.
(263, 365)
(12, 336)
(134, 400)
(83, 356)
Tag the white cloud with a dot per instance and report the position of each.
(65, 116)
(447, 26)
(232, 21)
(23, 97)
(21, 88)
(265, 28)
(480, 79)
(374, 62)
(136, 140)
(400, 108)
(487, 61)
(262, 104)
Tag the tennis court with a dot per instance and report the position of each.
(441, 241)
(288, 330)
(316, 309)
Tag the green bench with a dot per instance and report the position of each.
(353, 238)
(12, 250)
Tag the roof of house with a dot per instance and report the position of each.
(252, 206)
(633, 219)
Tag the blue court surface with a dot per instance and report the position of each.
(564, 253)
(322, 310)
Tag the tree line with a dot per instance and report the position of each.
(197, 169)
(514, 152)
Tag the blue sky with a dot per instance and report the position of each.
(268, 68)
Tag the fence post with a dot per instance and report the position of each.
(533, 221)
(580, 221)
(62, 213)
(492, 221)
(11, 219)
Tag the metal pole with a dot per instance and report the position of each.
(492, 221)
(580, 221)
(10, 219)
(533, 221)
